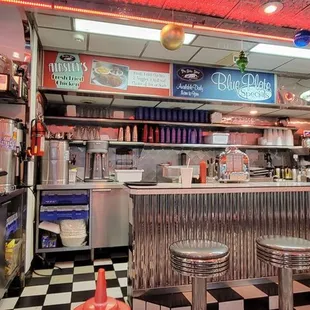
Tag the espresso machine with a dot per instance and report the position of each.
(97, 163)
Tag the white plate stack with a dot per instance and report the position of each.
(72, 232)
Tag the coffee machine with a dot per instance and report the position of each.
(97, 163)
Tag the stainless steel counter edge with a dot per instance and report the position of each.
(82, 185)
(174, 189)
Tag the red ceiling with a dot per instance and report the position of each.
(295, 13)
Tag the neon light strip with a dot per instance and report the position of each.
(28, 3)
(147, 20)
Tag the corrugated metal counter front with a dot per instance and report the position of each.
(235, 219)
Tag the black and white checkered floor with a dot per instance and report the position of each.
(74, 283)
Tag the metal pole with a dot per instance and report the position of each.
(285, 289)
(199, 294)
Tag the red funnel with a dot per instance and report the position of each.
(101, 301)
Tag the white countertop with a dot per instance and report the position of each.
(177, 188)
(82, 185)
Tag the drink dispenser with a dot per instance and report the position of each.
(97, 163)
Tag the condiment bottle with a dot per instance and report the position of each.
(120, 134)
(135, 133)
(151, 135)
(203, 172)
(168, 135)
(145, 133)
(179, 135)
(162, 135)
(173, 135)
(157, 136)
(184, 136)
(127, 134)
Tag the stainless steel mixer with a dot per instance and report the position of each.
(97, 163)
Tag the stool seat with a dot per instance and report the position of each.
(282, 243)
(199, 249)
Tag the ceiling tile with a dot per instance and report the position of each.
(114, 45)
(83, 99)
(60, 39)
(155, 50)
(119, 102)
(179, 105)
(266, 62)
(219, 108)
(296, 66)
(224, 44)
(286, 112)
(210, 56)
(246, 111)
(53, 21)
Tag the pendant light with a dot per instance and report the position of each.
(302, 38)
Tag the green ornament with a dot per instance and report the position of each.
(242, 61)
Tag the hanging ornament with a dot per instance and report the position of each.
(242, 61)
(302, 38)
(172, 37)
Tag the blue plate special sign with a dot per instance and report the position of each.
(223, 84)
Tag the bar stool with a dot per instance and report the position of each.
(199, 259)
(287, 254)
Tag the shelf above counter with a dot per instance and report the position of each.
(191, 146)
(113, 122)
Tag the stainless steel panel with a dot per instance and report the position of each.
(235, 219)
(55, 162)
(3, 216)
(109, 218)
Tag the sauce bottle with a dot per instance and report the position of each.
(168, 135)
(157, 135)
(162, 135)
(173, 135)
(145, 133)
(203, 171)
(135, 133)
(151, 135)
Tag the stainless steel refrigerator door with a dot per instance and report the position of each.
(109, 216)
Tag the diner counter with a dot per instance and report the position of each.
(81, 185)
(233, 214)
(248, 187)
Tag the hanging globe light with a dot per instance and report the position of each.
(302, 38)
(172, 37)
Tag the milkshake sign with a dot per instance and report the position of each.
(250, 87)
(219, 84)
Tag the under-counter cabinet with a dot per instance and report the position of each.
(109, 218)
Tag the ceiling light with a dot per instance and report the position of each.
(272, 7)
(253, 112)
(306, 95)
(280, 50)
(120, 30)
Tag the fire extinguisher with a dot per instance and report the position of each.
(38, 130)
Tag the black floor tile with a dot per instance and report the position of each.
(13, 292)
(38, 281)
(80, 263)
(121, 274)
(112, 283)
(305, 282)
(62, 271)
(118, 260)
(168, 300)
(124, 291)
(271, 289)
(120, 299)
(213, 306)
(225, 294)
(256, 303)
(31, 301)
(82, 296)
(83, 277)
(105, 267)
(57, 307)
(59, 288)
(301, 299)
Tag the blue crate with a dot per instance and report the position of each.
(11, 227)
(70, 199)
(60, 213)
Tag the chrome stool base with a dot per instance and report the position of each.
(200, 260)
(287, 254)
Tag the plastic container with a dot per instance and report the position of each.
(55, 213)
(12, 225)
(216, 138)
(72, 175)
(128, 175)
(12, 255)
(72, 241)
(70, 198)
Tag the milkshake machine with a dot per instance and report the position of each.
(97, 163)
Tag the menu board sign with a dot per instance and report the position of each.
(218, 84)
(95, 73)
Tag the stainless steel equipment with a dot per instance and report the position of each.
(97, 163)
(55, 162)
(109, 218)
(8, 135)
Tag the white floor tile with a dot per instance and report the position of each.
(114, 292)
(62, 279)
(102, 262)
(307, 307)
(273, 302)
(300, 288)
(109, 275)
(232, 305)
(83, 269)
(75, 304)
(151, 306)
(122, 282)
(8, 303)
(29, 308)
(249, 291)
(34, 290)
(57, 299)
(43, 272)
(64, 265)
(138, 304)
(210, 298)
(120, 267)
(84, 286)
